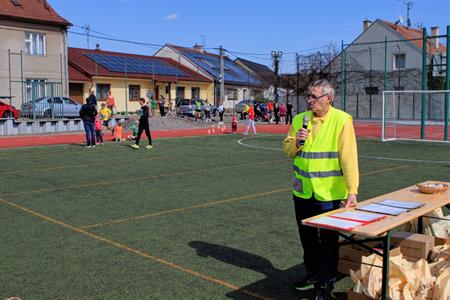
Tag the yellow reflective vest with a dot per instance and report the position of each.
(316, 167)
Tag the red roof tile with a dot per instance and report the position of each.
(77, 75)
(37, 11)
(81, 61)
(416, 36)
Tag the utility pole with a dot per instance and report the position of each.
(276, 55)
(222, 76)
(297, 82)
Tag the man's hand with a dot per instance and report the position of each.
(351, 201)
(302, 134)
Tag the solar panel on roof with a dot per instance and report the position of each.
(233, 72)
(135, 65)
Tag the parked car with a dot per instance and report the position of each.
(8, 111)
(51, 107)
(240, 105)
(186, 107)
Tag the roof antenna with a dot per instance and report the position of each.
(409, 5)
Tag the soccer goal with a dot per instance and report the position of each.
(415, 115)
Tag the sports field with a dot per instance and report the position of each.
(195, 218)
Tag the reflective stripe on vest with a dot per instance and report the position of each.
(320, 174)
(317, 155)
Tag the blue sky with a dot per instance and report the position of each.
(250, 26)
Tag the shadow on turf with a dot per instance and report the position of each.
(276, 285)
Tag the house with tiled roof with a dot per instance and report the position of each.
(240, 83)
(33, 50)
(369, 61)
(132, 76)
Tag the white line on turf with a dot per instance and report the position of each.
(442, 162)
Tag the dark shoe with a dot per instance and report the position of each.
(306, 283)
(319, 295)
(324, 292)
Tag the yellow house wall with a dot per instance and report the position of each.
(120, 94)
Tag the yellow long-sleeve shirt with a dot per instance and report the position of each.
(348, 153)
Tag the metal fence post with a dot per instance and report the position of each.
(342, 74)
(424, 83)
(447, 86)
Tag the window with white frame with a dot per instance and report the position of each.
(34, 88)
(34, 43)
(399, 61)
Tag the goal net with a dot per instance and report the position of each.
(415, 115)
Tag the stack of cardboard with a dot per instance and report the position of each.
(414, 246)
(418, 280)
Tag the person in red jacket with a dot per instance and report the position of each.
(251, 120)
(233, 124)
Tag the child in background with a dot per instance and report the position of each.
(233, 124)
(118, 132)
(98, 127)
(134, 131)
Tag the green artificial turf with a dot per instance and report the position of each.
(193, 218)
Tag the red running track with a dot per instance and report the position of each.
(362, 129)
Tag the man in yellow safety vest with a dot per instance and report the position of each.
(322, 143)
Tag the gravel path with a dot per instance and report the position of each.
(175, 122)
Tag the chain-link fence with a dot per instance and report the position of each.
(364, 70)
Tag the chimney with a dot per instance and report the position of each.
(198, 48)
(97, 47)
(366, 24)
(434, 32)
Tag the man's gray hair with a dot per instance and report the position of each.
(324, 85)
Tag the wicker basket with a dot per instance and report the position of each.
(427, 189)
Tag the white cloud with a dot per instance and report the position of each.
(171, 17)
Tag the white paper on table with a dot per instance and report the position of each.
(383, 209)
(401, 204)
(358, 216)
(335, 223)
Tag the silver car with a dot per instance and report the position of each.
(187, 107)
(51, 107)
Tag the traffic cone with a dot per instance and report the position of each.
(209, 131)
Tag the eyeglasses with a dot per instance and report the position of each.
(314, 98)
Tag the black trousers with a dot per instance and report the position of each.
(144, 126)
(320, 246)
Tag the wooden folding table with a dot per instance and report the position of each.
(381, 230)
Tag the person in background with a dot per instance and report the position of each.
(118, 131)
(87, 114)
(106, 114)
(276, 112)
(207, 111)
(198, 110)
(153, 106)
(98, 127)
(134, 132)
(282, 112)
(143, 126)
(244, 111)
(233, 124)
(251, 120)
(111, 103)
(161, 103)
(325, 177)
(270, 110)
(92, 99)
(289, 113)
(221, 110)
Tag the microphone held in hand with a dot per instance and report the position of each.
(305, 126)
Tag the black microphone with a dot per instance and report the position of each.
(305, 125)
